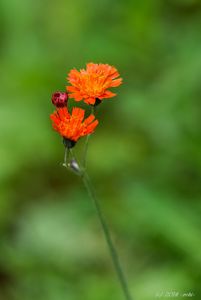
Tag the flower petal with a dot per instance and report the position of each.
(93, 82)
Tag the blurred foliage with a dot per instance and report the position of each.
(144, 158)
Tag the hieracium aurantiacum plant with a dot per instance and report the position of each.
(90, 85)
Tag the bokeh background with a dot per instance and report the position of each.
(145, 157)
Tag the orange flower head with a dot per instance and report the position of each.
(71, 126)
(92, 84)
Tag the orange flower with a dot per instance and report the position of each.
(72, 126)
(93, 83)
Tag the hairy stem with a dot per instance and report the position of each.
(112, 249)
(85, 151)
(66, 153)
(84, 161)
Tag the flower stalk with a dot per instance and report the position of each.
(81, 171)
(85, 151)
(113, 252)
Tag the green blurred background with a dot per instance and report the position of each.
(145, 157)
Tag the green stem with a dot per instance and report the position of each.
(85, 151)
(87, 142)
(81, 171)
(66, 153)
(93, 110)
(113, 252)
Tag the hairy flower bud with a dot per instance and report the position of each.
(59, 99)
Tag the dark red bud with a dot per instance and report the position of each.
(59, 99)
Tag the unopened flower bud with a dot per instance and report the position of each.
(59, 99)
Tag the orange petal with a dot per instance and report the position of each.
(90, 100)
(78, 112)
(76, 96)
(92, 126)
(107, 94)
(72, 89)
(116, 82)
(89, 119)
